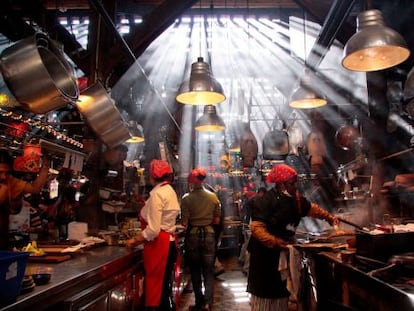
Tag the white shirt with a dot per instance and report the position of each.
(160, 211)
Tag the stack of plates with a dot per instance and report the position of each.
(27, 285)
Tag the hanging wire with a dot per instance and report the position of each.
(304, 39)
(201, 18)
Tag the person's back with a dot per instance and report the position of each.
(200, 209)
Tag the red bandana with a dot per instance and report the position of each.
(197, 176)
(159, 168)
(280, 173)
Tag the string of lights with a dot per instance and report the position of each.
(42, 126)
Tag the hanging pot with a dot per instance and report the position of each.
(38, 75)
(347, 136)
(98, 109)
(248, 147)
(315, 144)
(295, 137)
(115, 135)
(275, 145)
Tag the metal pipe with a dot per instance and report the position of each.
(337, 15)
(109, 23)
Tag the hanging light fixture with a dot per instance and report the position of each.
(210, 121)
(374, 46)
(135, 129)
(202, 88)
(303, 96)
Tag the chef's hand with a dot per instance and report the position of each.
(135, 241)
(333, 221)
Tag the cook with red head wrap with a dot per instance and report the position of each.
(275, 218)
(158, 224)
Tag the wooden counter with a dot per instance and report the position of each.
(102, 268)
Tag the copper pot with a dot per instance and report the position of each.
(37, 73)
(347, 136)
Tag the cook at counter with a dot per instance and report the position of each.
(12, 189)
(275, 217)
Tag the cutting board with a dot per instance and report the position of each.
(49, 258)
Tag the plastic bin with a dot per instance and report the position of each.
(12, 267)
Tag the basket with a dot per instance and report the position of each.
(12, 267)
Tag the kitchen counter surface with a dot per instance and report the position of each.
(68, 277)
(347, 285)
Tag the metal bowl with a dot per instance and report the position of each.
(41, 278)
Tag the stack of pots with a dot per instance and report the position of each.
(100, 112)
(38, 75)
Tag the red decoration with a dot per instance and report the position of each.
(82, 83)
(18, 129)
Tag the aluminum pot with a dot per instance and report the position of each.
(116, 135)
(37, 73)
(98, 109)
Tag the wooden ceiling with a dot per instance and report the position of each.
(158, 16)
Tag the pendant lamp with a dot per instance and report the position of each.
(210, 121)
(135, 129)
(303, 97)
(202, 88)
(374, 46)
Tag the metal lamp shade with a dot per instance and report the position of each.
(303, 97)
(202, 88)
(210, 121)
(137, 135)
(374, 46)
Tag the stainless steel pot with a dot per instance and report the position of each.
(37, 73)
(115, 135)
(98, 108)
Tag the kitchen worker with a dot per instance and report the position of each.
(200, 211)
(158, 223)
(275, 217)
(12, 189)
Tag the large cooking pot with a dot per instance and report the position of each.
(37, 73)
(99, 109)
(115, 135)
(275, 145)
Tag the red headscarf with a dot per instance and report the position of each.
(197, 176)
(280, 173)
(159, 168)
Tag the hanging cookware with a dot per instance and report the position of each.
(295, 136)
(115, 135)
(37, 73)
(275, 145)
(347, 137)
(248, 147)
(315, 144)
(100, 112)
